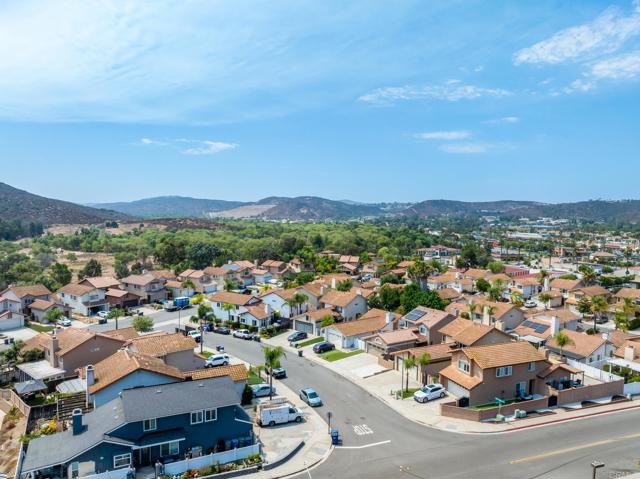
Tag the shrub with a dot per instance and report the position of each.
(247, 395)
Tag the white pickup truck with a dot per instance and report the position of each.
(278, 412)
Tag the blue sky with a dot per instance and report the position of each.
(371, 101)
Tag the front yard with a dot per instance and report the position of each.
(309, 342)
(41, 328)
(337, 355)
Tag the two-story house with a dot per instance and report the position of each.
(464, 333)
(350, 334)
(144, 425)
(202, 280)
(228, 305)
(17, 300)
(280, 301)
(484, 373)
(585, 348)
(504, 316)
(276, 267)
(427, 321)
(527, 286)
(175, 349)
(147, 286)
(348, 304)
(83, 299)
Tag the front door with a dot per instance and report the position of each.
(145, 456)
(521, 389)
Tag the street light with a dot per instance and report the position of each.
(595, 465)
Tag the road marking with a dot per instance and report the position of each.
(365, 446)
(557, 452)
(362, 429)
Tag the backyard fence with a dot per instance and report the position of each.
(178, 467)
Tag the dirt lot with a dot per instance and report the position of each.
(10, 444)
(105, 259)
(122, 228)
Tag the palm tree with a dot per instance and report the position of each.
(295, 302)
(188, 285)
(229, 284)
(53, 315)
(542, 275)
(203, 312)
(472, 309)
(408, 363)
(271, 361)
(516, 298)
(589, 276)
(423, 362)
(562, 340)
(584, 306)
(622, 321)
(630, 308)
(228, 307)
(545, 298)
(599, 306)
(115, 313)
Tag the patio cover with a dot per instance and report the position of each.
(31, 386)
(72, 386)
(40, 370)
(625, 364)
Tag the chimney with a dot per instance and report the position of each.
(605, 336)
(359, 292)
(499, 325)
(267, 308)
(333, 283)
(458, 275)
(555, 325)
(255, 263)
(53, 347)
(629, 353)
(76, 422)
(322, 290)
(388, 317)
(546, 283)
(89, 375)
(486, 317)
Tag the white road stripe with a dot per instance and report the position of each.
(365, 446)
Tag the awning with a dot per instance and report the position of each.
(624, 363)
(31, 386)
(157, 438)
(40, 370)
(72, 386)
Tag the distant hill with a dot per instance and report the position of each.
(21, 205)
(171, 207)
(314, 208)
(431, 208)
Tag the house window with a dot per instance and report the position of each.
(464, 366)
(197, 417)
(531, 367)
(210, 415)
(169, 449)
(74, 470)
(149, 424)
(121, 460)
(503, 371)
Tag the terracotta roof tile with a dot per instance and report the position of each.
(237, 372)
(503, 354)
(158, 345)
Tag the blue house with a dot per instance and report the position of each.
(143, 425)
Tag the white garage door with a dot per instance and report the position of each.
(303, 327)
(11, 323)
(334, 337)
(457, 390)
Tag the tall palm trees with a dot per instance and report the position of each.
(423, 362)
(472, 309)
(408, 363)
(203, 312)
(295, 302)
(115, 313)
(272, 358)
(563, 340)
(599, 307)
(228, 307)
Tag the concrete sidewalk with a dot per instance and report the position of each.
(381, 384)
(310, 437)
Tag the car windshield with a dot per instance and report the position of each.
(312, 394)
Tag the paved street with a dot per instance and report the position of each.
(377, 442)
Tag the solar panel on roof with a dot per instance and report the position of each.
(537, 327)
(415, 315)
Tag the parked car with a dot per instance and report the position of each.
(297, 336)
(323, 347)
(310, 396)
(242, 334)
(530, 304)
(278, 373)
(222, 330)
(270, 414)
(64, 322)
(429, 392)
(217, 360)
(195, 334)
(103, 314)
(262, 390)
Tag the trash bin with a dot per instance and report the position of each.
(300, 353)
(335, 437)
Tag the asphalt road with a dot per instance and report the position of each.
(379, 443)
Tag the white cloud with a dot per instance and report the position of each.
(209, 148)
(191, 147)
(444, 135)
(504, 119)
(452, 90)
(622, 67)
(466, 148)
(604, 35)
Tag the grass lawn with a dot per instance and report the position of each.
(336, 355)
(480, 407)
(41, 328)
(309, 342)
(408, 392)
(206, 354)
(253, 379)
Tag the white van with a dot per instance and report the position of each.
(278, 412)
(217, 360)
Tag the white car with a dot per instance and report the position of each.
(530, 304)
(429, 392)
(242, 333)
(217, 360)
(64, 322)
(103, 314)
(261, 390)
(195, 334)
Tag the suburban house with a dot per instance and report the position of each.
(505, 316)
(527, 286)
(297, 265)
(565, 286)
(504, 370)
(386, 342)
(556, 299)
(125, 370)
(584, 348)
(427, 321)
(177, 290)
(313, 292)
(465, 333)
(588, 292)
(537, 330)
(142, 426)
(261, 276)
(275, 267)
(349, 335)
(279, 299)
(449, 294)
(235, 302)
(73, 348)
(202, 281)
(348, 304)
(18, 299)
(240, 271)
(257, 316)
(174, 349)
(311, 321)
(83, 299)
(121, 298)
(439, 358)
(147, 286)
(40, 307)
(632, 294)
(442, 254)
(101, 282)
(444, 280)
(238, 373)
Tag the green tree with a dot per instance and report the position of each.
(496, 267)
(516, 298)
(92, 269)
(188, 285)
(563, 340)
(545, 298)
(53, 316)
(272, 356)
(412, 296)
(599, 307)
(116, 313)
(622, 321)
(584, 306)
(483, 285)
(295, 302)
(327, 321)
(60, 274)
(227, 308)
(142, 324)
(121, 269)
(423, 362)
(408, 363)
(229, 284)
(203, 313)
(200, 254)
(344, 285)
